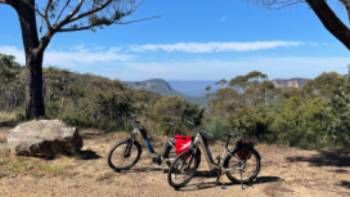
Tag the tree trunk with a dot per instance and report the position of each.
(34, 97)
(34, 58)
(331, 21)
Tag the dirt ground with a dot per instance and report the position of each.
(284, 172)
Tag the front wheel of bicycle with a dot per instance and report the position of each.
(242, 171)
(124, 155)
(183, 169)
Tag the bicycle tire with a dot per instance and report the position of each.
(127, 167)
(252, 177)
(180, 158)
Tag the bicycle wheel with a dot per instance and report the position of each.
(183, 169)
(124, 155)
(170, 156)
(249, 167)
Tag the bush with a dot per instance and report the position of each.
(217, 127)
(314, 117)
(173, 109)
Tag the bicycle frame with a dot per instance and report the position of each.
(201, 143)
(183, 162)
(169, 143)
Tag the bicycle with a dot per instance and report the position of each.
(129, 151)
(186, 164)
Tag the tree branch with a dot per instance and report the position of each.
(92, 11)
(80, 28)
(44, 42)
(91, 26)
(331, 21)
(347, 7)
(47, 8)
(63, 9)
(136, 21)
(278, 4)
(68, 18)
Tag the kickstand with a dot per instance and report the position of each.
(218, 178)
(218, 182)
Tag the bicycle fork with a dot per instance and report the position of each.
(128, 149)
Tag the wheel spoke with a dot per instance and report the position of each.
(124, 155)
(242, 170)
(183, 169)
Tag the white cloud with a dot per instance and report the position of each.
(77, 56)
(275, 67)
(215, 47)
(118, 64)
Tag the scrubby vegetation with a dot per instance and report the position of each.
(90, 101)
(316, 115)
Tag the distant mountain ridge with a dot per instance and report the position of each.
(290, 83)
(159, 86)
(194, 91)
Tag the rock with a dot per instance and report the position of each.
(44, 138)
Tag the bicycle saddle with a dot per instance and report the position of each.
(207, 136)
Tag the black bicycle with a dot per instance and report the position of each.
(243, 159)
(124, 155)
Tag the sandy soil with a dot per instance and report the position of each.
(285, 172)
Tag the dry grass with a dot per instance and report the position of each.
(11, 165)
(65, 176)
(8, 116)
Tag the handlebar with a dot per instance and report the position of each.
(134, 122)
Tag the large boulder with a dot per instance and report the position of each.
(44, 138)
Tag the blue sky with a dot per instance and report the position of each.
(195, 40)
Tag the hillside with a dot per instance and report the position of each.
(159, 86)
(165, 88)
(195, 90)
(87, 100)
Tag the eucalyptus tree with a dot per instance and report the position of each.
(40, 21)
(328, 16)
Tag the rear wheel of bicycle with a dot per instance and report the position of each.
(124, 155)
(183, 169)
(170, 155)
(249, 167)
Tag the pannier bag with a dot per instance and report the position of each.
(182, 143)
(244, 148)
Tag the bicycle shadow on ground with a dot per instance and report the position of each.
(213, 184)
(142, 170)
(324, 158)
(345, 184)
